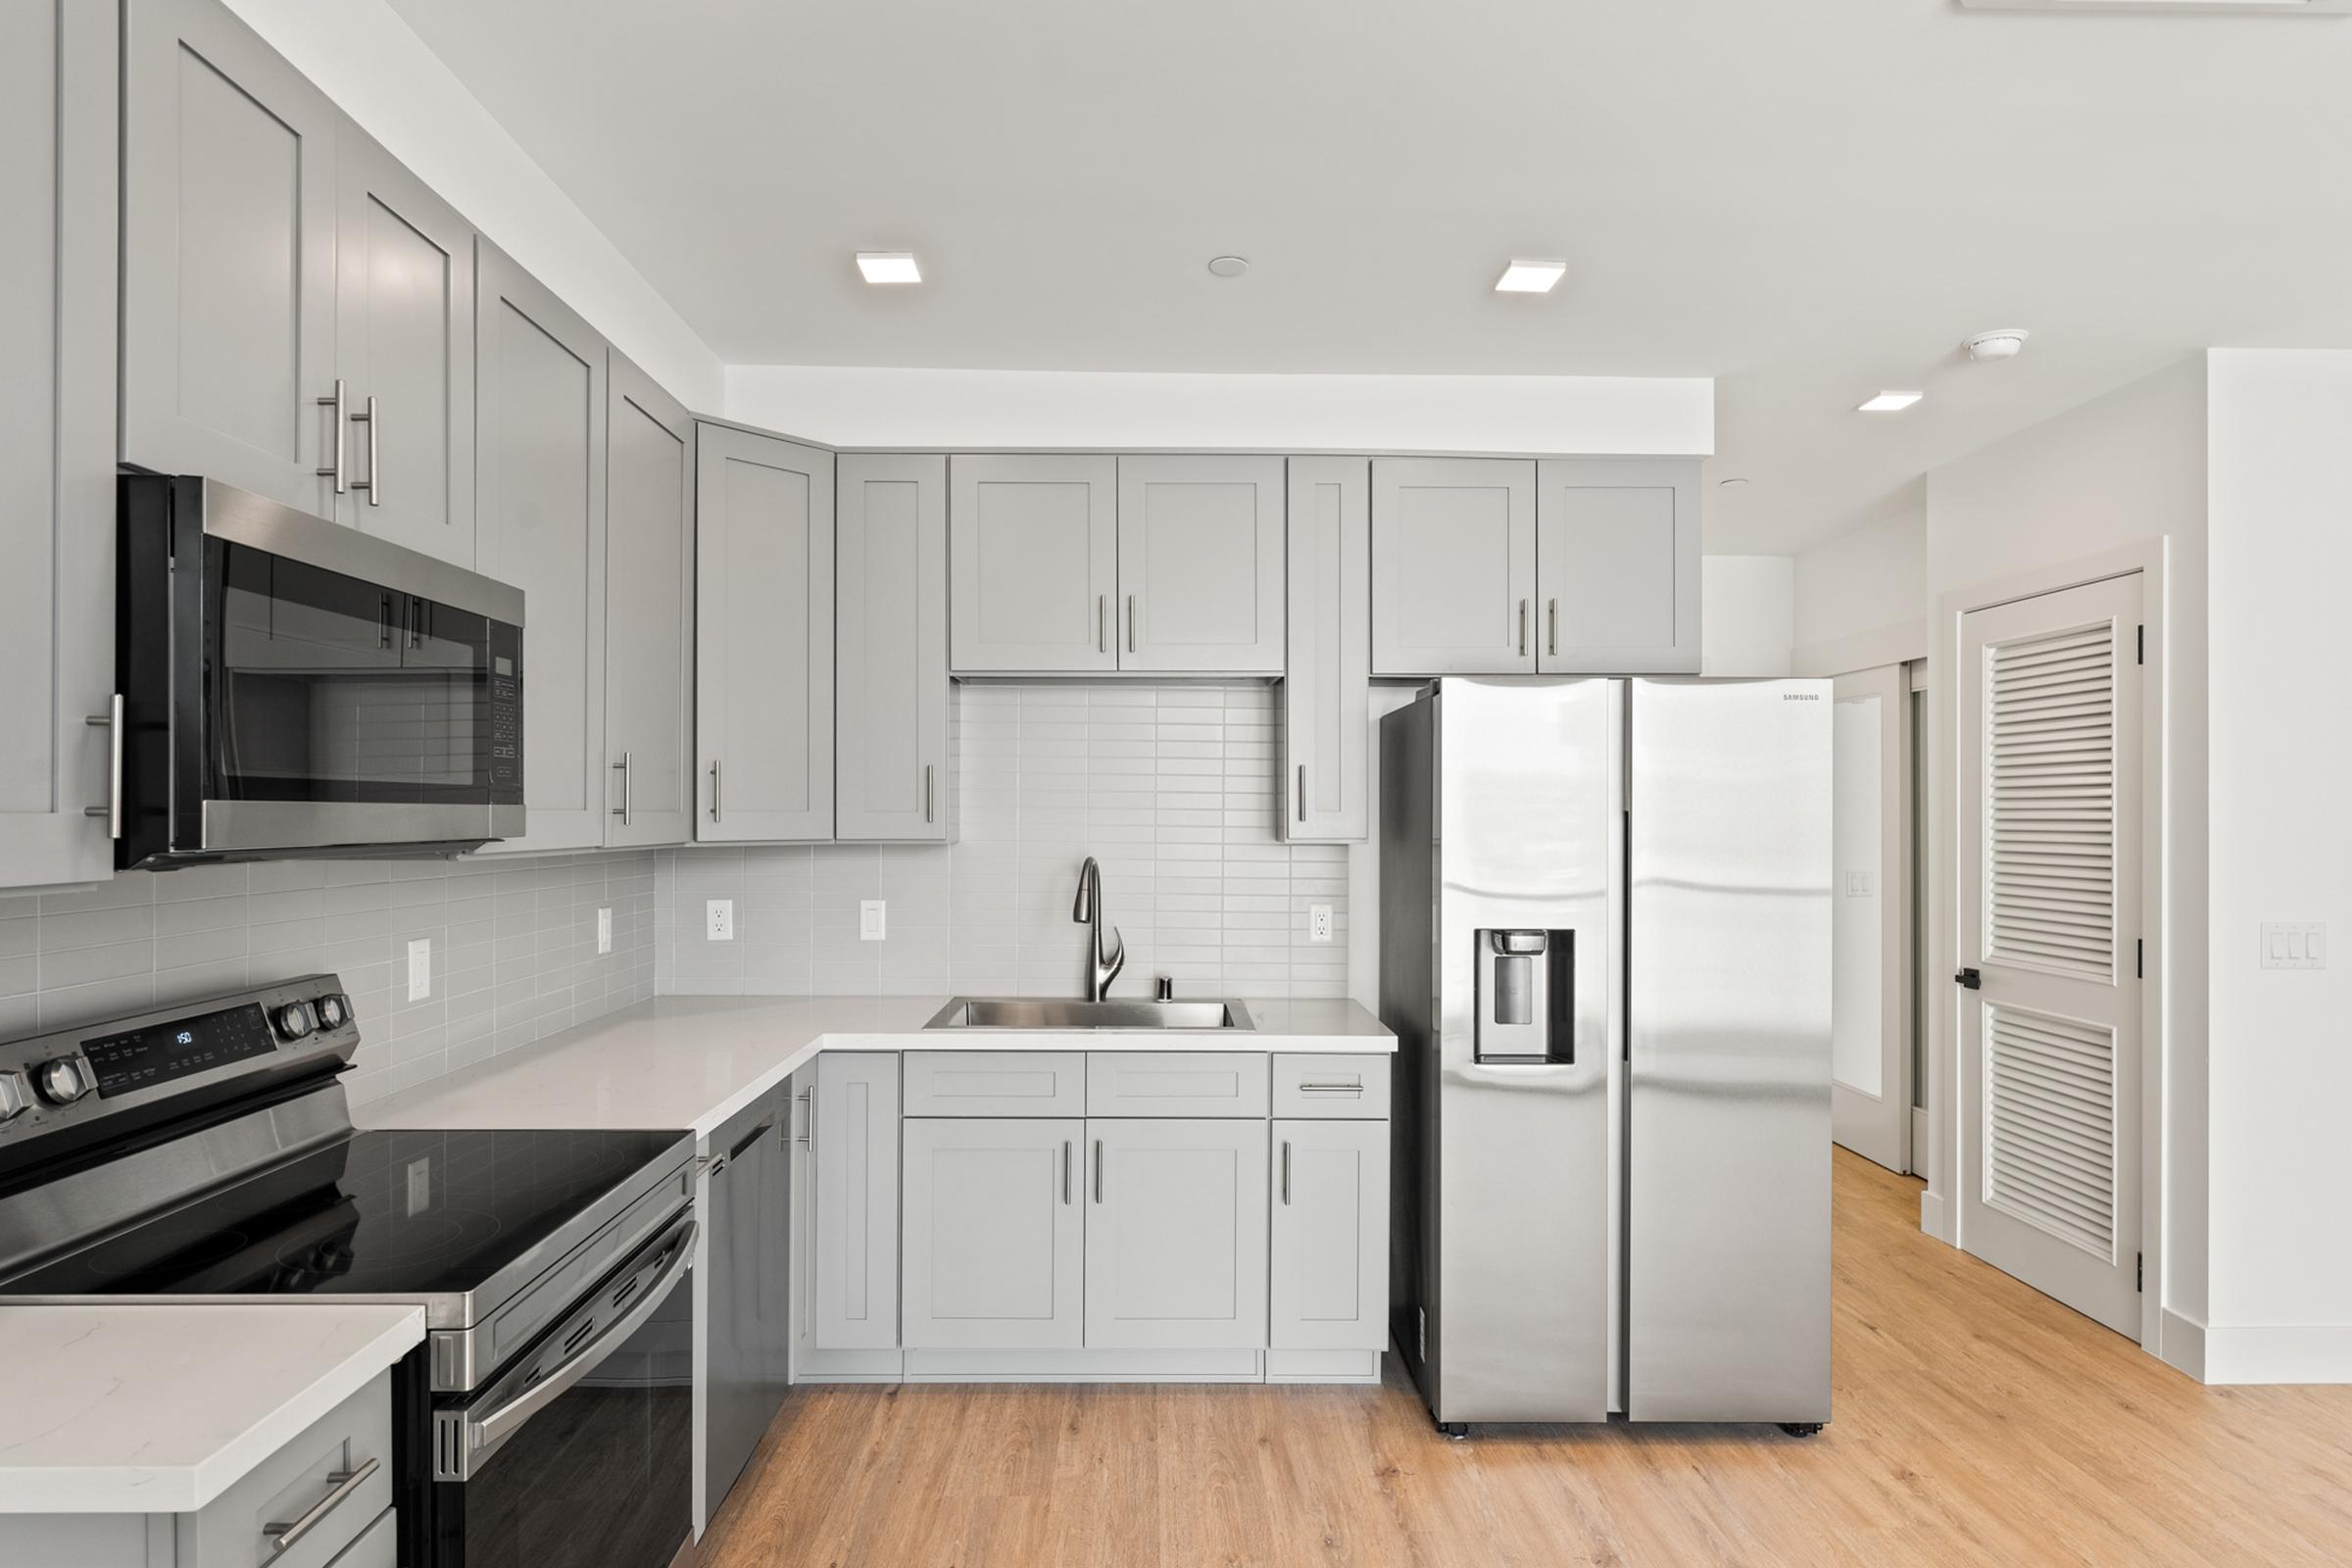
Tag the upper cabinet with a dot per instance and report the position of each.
(891, 766)
(1327, 685)
(1454, 566)
(1035, 564)
(1200, 566)
(1617, 565)
(404, 355)
(539, 521)
(763, 628)
(57, 438)
(648, 613)
(228, 259)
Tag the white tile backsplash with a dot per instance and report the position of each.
(1170, 787)
(513, 948)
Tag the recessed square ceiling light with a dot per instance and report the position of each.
(889, 266)
(1530, 278)
(1891, 402)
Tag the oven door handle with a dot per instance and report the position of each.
(501, 1424)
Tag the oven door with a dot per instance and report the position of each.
(581, 1451)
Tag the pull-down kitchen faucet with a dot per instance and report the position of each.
(1102, 968)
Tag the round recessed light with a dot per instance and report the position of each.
(1228, 266)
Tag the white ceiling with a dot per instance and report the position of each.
(1808, 199)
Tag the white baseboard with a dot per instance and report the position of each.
(2179, 1344)
(2279, 1352)
(1935, 1217)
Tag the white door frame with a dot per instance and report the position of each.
(1892, 685)
(1947, 1156)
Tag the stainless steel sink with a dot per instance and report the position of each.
(1039, 1013)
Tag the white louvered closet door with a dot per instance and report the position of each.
(2049, 873)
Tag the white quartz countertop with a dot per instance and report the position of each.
(160, 1410)
(693, 1062)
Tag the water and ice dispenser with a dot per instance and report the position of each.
(1526, 997)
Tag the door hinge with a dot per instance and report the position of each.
(2140, 650)
(2139, 960)
(2139, 1271)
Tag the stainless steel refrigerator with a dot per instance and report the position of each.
(1605, 954)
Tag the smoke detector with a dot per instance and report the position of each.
(2005, 344)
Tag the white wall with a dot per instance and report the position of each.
(380, 74)
(2282, 849)
(1746, 605)
(856, 407)
(1862, 597)
(2122, 469)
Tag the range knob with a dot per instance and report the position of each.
(13, 1100)
(294, 1020)
(334, 1013)
(63, 1081)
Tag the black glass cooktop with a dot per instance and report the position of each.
(384, 1213)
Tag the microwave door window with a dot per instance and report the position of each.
(323, 687)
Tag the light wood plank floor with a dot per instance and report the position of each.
(1977, 1422)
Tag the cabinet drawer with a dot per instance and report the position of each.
(1175, 1083)
(1333, 1088)
(996, 1083)
(297, 1481)
(378, 1546)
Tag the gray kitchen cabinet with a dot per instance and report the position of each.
(1176, 1234)
(745, 1271)
(1330, 1245)
(57, 437)
(1617, 565)
(404, 349)
(1326, 690)
(228, 257)
(648, 613)
(1454, 566)
(853, 1151)
(1200, 566)
(764, 637)
(540, 526)
(891, 764)
(1034, 563)
(994, 1253)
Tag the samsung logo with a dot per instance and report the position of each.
(1801, 697)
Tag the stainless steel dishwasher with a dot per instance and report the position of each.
(748, 1357)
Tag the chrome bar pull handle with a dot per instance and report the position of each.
(807, 1132)
(1097, 1170)
(335, 472)
(1552, 640)
(1523, 625)
(375, 494)
(1285, 1172)
(1131, 623)
(1065, 1172)
(1302, 792)
(714, 783)
(111, 722)
(1101, 637)
(284, 1532)
(628, 788)
(927, 815)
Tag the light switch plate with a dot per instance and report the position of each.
(1318, 922)
(604, 930)
(421, 968)
(718, 919)
(2295, 945)
(871, 913)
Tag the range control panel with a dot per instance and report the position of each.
(74, 1077)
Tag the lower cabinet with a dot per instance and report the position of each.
(1330, 1252)
(1176, 1234)
(854, 1148)
(995, 1234)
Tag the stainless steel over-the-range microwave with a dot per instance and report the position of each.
(290, 687)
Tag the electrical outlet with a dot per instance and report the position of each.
(871, 919)
(2302, 945)
(421, 968)
(604, 930)
(718, 921)
(1318, 922)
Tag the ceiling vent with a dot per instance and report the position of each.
(2211, 8)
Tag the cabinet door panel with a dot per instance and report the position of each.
(540, 518)
(1327, 680)
(229, 248)
(404, 336)
(57, 437)
(1617, 558)
(1176, 1234)
(649, 613)
(994, 1234)
(763, 565)
(1200, 565)
(1035, 548)
(1454, 566)
(1330, 1286)
(892, 712)
(856, 1137)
